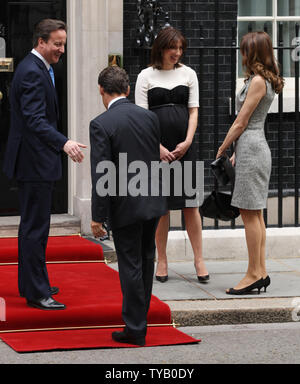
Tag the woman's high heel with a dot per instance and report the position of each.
(162, 279)
(267, 282)
(203, 279)
(244, 291)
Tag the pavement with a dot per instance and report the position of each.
(195, 304)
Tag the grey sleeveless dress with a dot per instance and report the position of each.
(253, 155)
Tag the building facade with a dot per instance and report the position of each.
(99, 28)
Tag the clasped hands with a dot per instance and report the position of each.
(72, 149)
(177, 154)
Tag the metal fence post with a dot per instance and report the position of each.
(280, 127)
(297, 120)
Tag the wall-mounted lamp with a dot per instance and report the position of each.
(115, 59)
(148, 14)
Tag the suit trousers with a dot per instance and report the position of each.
(135, 248)
(35, 206)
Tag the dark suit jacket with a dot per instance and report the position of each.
(34, 144)
(125, 129)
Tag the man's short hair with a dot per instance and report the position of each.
(114, 80)
(44, 28)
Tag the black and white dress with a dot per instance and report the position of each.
(170, 94)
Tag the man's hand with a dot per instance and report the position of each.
(97, 229)
(72, 149)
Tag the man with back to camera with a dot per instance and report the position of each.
(33, 157)
(127, 129)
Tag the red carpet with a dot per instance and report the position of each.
(61, 248)
(92, 294)
(88, 339)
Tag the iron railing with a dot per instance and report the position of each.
(232, 51)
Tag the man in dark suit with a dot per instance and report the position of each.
(129, 132)
(33, 157)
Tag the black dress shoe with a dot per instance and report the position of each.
(162, 279)
(53, 291)
(203, 279)
(125, 337)
(47, 304)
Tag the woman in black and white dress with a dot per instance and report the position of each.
(170, 89)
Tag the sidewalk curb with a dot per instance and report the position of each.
(235, 311)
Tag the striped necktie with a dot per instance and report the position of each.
(51, 72)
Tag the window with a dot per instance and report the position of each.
(258, 15)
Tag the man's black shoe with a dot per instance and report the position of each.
(124, 337)
(53, 291)
(47, 304)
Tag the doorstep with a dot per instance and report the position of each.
(61, 225)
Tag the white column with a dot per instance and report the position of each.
(89, 28)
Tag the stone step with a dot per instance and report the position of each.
(61, 225)
(226, 244)
(236, 311)
(221, 244)
(230, 244)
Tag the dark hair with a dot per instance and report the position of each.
(44, 28)
(167, 38)
(114, 80)
(259, 59)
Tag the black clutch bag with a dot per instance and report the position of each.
(218, 206)
(223, 170)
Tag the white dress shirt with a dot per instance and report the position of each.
(36, 53)
(114, 100)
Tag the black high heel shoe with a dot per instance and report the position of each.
(244, 291)
(267, 282)
(203, 279)
(162, 279)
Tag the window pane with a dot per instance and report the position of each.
(255, 8)
(288, 7)
(289, 34)
(252, 26)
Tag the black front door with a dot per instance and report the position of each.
(17, 21)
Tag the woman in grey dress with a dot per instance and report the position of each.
(252, 157)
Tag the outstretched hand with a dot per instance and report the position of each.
(72, 149)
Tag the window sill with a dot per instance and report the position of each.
(288, 95)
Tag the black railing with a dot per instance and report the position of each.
(278, 117)
(211, 54)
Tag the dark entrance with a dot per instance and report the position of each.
(17, 20)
